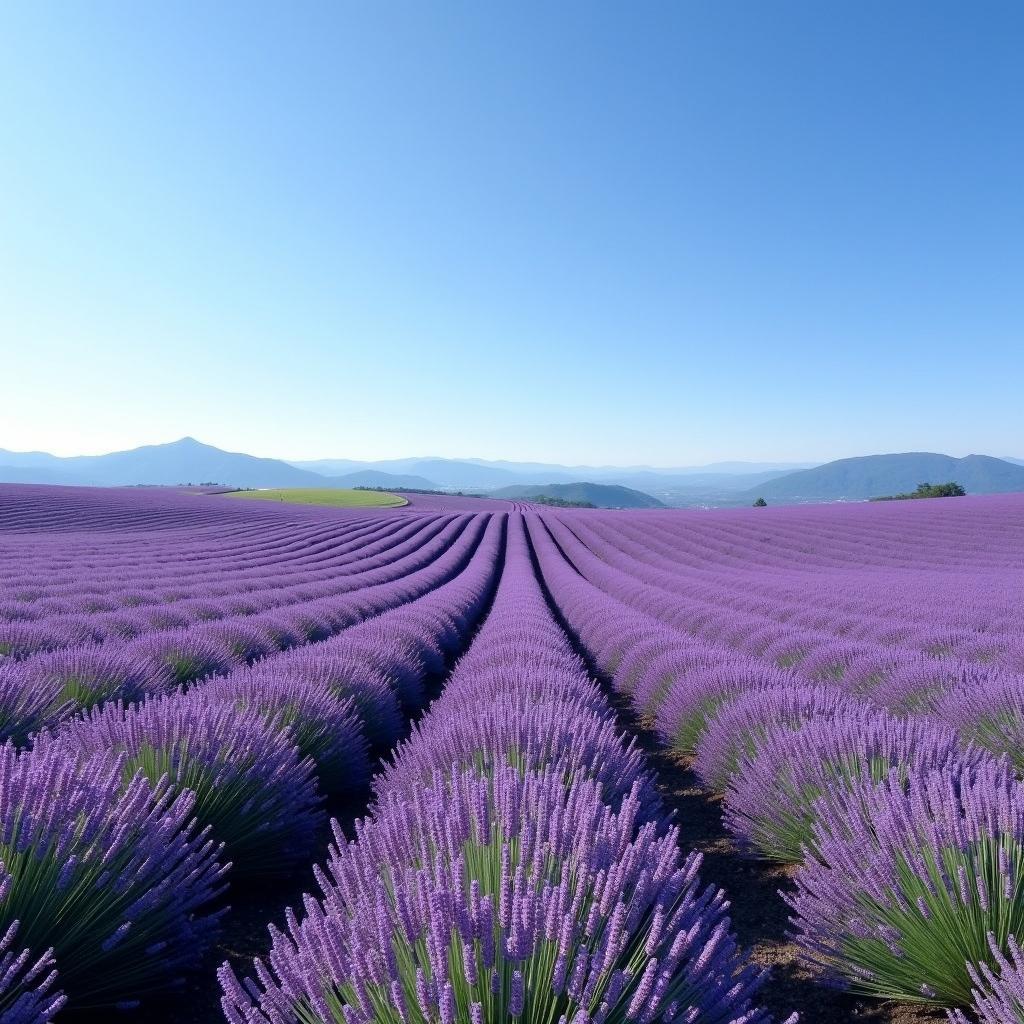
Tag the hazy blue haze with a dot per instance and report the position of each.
(665, 233)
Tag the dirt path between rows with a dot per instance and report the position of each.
(759, 916)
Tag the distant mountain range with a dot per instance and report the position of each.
(727, 483)
(184, 461)
(481, 474)
(600, 495)
(871, 476)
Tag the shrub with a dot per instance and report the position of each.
(373, 698)
(734, 731)
(25, 708)
(253, 790)
(111, 875)
(912, 877)
(323, 726)
(695, 698)
(526, 729)
(180, 657)
(989, 712)
(89, 676)
(772, 802)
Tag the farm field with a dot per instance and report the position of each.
(480, 761)
(332, 497)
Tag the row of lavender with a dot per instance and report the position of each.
(877, 591)
(209, 590)
(907, 668)
(517, 864)
(42, 688)
(122, 829)
(894, 790)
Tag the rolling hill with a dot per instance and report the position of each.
(870, 476)
(483, 474)
(374, 478)
(183, 461)
(601, 495)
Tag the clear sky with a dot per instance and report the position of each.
(665, 233)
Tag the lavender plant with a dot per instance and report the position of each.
(25, 707)
(324, 727)
(114, 878)
(910, 878)
(737, 727)
(180, 657)
(87, 677)
(990, 712)
(998, 986)
(27, 993)
(250, 785)
(504, 897)
(773, 801)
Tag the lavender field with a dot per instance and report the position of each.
(476, 761)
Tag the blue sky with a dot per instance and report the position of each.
(666, 233)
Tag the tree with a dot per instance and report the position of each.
(760, 503)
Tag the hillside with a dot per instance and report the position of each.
(601, 495)
(480, 474)
(872, 475)
(183, 461)
(38, 475)
(374, 478)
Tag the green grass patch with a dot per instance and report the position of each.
(334, 497)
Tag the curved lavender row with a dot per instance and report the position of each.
(536, 706)
(180, 606)
(114, 878)
(209, 564)
(252, 763)
(368, 679)
(682, 681)
(781, 816)
(654, 592)
(282, 572)
(627, 547)
(502, 866)
(172, 658)
(19, 640)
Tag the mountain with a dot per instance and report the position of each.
(450, 474)
(38, 475)
(601, 495)
(184, 461)
(873, 475)
(392, 481)
(1016, 462)
(476, 474)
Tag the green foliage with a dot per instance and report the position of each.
(548, 499)
(927, 490)
(335, 497)
(760, 503)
